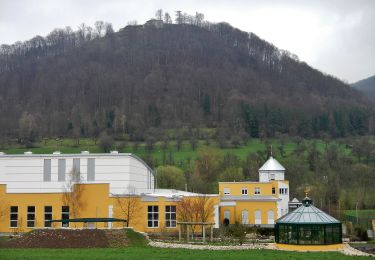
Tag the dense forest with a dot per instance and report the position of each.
(169, 75)
(367, 87)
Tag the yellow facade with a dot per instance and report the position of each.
(95, 201)
(236, 188)
(250, 207)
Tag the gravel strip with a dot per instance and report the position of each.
(349, 250)
(211, 247)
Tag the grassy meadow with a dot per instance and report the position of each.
(185, 152)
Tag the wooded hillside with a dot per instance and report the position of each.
(164, 75)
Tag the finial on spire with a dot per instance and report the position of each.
(271, 150)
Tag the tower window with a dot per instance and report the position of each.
(257, 191)
(244, 191)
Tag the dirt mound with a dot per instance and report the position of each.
(64, 238)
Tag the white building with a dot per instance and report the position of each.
(52, 173)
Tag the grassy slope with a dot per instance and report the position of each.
(361, 213)
(68, 146)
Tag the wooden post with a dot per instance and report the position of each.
(187, 233)
(179, 232)
(204, 233)
(212, 234)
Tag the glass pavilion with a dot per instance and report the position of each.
(308, 225)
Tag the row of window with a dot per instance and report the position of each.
(61, 169)
(257, 217)
(153, 216)
(244, 191)
(30, 216)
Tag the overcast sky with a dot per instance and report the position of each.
(334, 36)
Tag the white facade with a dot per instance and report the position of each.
(51, 173)
(282, 205)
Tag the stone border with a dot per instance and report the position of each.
(211, 247)
(347, 249)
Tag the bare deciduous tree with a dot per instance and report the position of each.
(129, 206)
(73, 194)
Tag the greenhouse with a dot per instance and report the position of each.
(308, 225)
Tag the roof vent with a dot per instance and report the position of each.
(28, 152)
(85, 152)
(114, 152)
(56, 152)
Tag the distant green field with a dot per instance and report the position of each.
(361, 213)
(186, 152)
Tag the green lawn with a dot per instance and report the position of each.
(159, 253)
(138, 249)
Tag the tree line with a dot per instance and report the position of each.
(337, 178)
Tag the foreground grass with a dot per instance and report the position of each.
(143, 252)
(138, 249)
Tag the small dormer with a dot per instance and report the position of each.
(271, 170)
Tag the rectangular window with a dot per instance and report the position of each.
(272, 177)
(286, 191)
(153, 216)
(226, 191)
(273, 190)
(61, 169)
(244, 191)
(170, 216)
(283, 191)
(47, 216)
(64, 216)
(13, 216)
(257, 191)
(47, 170)
(76, 175)
(31, 216)
(91, 169)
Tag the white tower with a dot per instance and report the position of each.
(272, 170)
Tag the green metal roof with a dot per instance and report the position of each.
(307, 213)
(88, 220)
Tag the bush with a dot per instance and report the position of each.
(106, 142)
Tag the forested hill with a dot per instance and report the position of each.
(367, 87)
(163, 75)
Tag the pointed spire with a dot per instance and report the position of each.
(271, 150)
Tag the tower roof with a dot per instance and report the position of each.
(272, 165)
(307, 213)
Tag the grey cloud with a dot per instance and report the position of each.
(344, 41)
